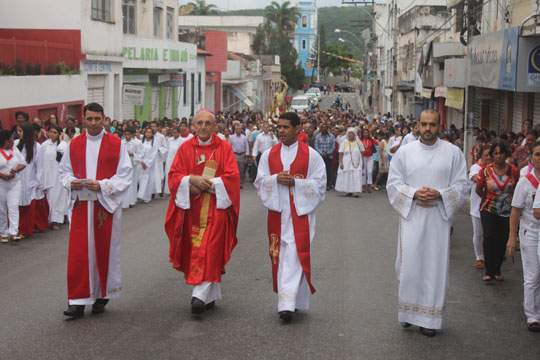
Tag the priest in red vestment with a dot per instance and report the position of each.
(291, 182)
(97, 169)
(203, 211)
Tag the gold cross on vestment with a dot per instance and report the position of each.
(197, 271)
(274, 248)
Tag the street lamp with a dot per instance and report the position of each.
(350, 42)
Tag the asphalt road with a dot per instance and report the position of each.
(353, 314)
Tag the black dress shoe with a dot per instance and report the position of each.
(197, 306)
(75, 311)
(286, 316)
(210, 305)
(99, 306)
(406, 325)
(428, 332)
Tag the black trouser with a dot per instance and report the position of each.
(496, 230)
(328, 164)
(375, 171)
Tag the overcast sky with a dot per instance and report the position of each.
(259, 4)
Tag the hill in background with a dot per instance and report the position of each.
(331, 18)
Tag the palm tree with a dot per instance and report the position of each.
(200, 7)
(283, 15)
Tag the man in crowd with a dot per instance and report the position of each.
(263, 142)
(97, 169)
(203, 211)
(325, 144)
(291, 183)
(240, 147)
(427, 185)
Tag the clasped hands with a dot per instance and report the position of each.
(199, 184)
(427, 194)
(284, 178)
(92, 185)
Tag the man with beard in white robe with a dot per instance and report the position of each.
(135, 150)
(159, 169)
(97, 169)
(427, 185)
(291, 182)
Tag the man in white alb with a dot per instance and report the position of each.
(291, 182)
(427, 184)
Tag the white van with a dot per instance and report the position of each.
(300, 103)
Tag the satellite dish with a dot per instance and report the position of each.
(186, 9)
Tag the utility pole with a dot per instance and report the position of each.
(394, 58)
(318, 49)
(468, 102)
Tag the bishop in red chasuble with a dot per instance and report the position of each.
(203, 211)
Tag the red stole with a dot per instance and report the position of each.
(6, 156)
(299, 170)
(78, 271)
(532, 180)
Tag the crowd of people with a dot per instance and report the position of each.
(357, 152)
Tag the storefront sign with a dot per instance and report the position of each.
(454, 98)
(133, 79)
(158, 54)
(96, 67)
(493, 60)
(529, 64)
(132, 94)
(454, 72)
(163, 78)
(176, 80)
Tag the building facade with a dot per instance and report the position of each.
(305, 35)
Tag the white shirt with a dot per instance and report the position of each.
(393, 141)
(524, 198)
(408, 139)
(262, 143)
(475, 200)
(7, 165)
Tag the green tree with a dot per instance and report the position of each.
(200, 7)
(283, 15)
(333, 63)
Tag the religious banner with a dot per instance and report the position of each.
(342, 57)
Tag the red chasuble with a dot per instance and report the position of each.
(299, 170)
(202, 237)
(78, 271)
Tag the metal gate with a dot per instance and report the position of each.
(517, 110)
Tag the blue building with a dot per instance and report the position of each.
(305, 35)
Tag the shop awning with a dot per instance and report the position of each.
(240, 95)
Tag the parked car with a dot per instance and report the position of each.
(342, 87)
(318, 85)
(314, 101)
(300, 103)
(315, 91)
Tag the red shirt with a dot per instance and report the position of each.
(368, 146)
(303, 138)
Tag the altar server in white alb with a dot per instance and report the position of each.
(135, 150)
(57, 195)
(11, 163)
(291, 182)
(525, 218)
(173, 144)
(149, 161)
(162, 150)
(97, 169)
(427, 185)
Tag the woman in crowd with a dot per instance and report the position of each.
(369, 143)
(174, 143)
(384, 163)
(135, 150)
(349, 175)
(30, 177)
(495, 185)
(11, 163)
(57, 195)
(475, 202)
(148, 162)
(523, 215)
(70, 132)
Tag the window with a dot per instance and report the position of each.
(304, 21)
(128, 11)
(304, 45)
(102, 10)
(157, 22)
(199, 88)
(170, 23)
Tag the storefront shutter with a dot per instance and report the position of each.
(155, 102)
(536, 109)
(517, 119)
